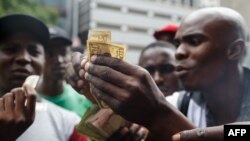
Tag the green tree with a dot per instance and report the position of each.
(48, 15)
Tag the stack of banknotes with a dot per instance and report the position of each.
(100, 122)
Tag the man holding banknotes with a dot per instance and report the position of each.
(211, 48)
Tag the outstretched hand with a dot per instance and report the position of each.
(131, 92)
(126, 88)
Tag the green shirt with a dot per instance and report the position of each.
(70, 100)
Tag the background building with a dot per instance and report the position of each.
(242, 6)
(133, 22)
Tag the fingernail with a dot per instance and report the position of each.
(86, 75)
(93, 58)
(81, 73)
(83, 62)
(80, 83)
(86, 67)
(176, 137)
(29, 90)
(124, 130)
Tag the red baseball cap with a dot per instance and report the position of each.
(169, 28)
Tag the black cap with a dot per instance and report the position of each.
(58, 33)
(23, 23)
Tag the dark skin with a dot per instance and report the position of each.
(126, 92)
(54, 73)
(131, 132)
(21, 55)
(128, 89)
(128, 132)
(215, 133)
(203, 49)
(16, 117)
(160, 63)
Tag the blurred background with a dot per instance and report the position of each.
(132, 22)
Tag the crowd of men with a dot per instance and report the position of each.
(185, 87)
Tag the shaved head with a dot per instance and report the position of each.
(210, 39)
(228, 20)
(231, 24)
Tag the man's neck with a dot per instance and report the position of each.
(225, 97)
(50, 88)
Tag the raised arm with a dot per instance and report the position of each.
(131, 92)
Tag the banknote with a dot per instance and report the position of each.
(100, 36)
(99, 48)
(99, 124)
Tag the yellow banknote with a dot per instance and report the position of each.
(99, 36)
(99, 48)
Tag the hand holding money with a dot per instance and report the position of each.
(100, 122)
(99, 43)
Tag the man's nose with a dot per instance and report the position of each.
(23, 57)
(181, 53)
(157, 77)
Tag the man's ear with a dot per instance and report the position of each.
(236, 50)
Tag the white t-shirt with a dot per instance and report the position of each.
(196, 113)
(52, 123)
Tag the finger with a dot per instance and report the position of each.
(115, 64)
(9, 102)
(119, 134)
(76, 58)
(31, 101)
(191, 135)
(20, 100)
(83, 62)
(106, 73)
(142, 133)
(134, 128)
(1, 104)
(113, 103)
(85, 90)
(81, 73)
(80, 83)
(176, 137)
(108, 88)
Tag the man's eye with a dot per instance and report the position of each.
(167, 68)
(195, 41)
(33, 50)
(176, 43)
(10, 49)
(150, 69)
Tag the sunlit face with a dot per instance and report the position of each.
(56, 59)
(160, 63)
(20, 56)
(201, 54)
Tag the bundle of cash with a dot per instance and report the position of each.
(100, 122)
